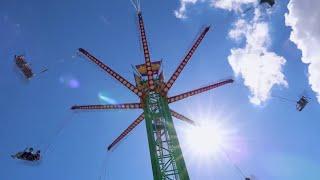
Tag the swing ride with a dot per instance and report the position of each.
(164, 147)
(269, 3)
(150, 86)
(28, 155)
(301, 103)
(25, 67)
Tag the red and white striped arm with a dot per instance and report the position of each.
(108, 106)
(126, 131)
(146, 51)
(181, 117)
(185, 60)
(111, 72)
(198, 91)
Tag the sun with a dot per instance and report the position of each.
(214, 137)
(206, 139)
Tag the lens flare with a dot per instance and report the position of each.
(206, 139)
(104, 98)
(69, 81)
(213, 139)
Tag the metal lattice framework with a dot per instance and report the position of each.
(165, 152)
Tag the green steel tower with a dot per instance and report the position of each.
(165, 152)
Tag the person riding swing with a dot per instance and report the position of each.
(27, 155)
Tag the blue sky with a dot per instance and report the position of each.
(277, 142)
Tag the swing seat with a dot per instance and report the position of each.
(32, 158)
(270, 2)
(301, 104)
(27, 72)
(23, 66)
(26, 156)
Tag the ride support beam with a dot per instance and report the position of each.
(126, 131)
(109, 106)
(185, 60)
(181, 117)
(198, 91)
(146, 51)
(111, 72)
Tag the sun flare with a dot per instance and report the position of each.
(206, 139)
(213, 136)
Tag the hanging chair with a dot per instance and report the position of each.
(301, 104)
(28, 155)
(270, 2)
(23, 66)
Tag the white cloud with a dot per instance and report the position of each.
(260, 69)
(239, 30)
(303, 17)
(230, 5)
(181, 12)
(222, 4)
